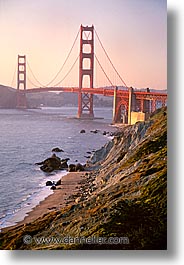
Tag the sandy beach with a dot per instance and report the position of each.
(59, 198)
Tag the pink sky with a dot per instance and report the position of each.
(134, 33)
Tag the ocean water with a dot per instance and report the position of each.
(27, 137)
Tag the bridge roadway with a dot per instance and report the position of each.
(101, 91)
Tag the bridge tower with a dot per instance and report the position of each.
(21, 82)
(85, 100)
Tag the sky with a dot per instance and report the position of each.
(133, 32)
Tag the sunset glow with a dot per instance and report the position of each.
(133, 32)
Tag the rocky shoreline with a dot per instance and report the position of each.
(123, 195)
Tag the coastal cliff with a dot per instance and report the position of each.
(123, 195)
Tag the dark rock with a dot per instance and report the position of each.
(46, 169)
(51, 208)
(88, 152)
(49, 183)
(104, 210)
(51, 164)
(64, 164)
(121, 156)
(58, 182)
(57, 149)
(65, 223)
(79, 167)
(53, 187)
(82, 131)
(94, 131)
(73, 208)
(54, 163)
(65, 159)
(71, 168)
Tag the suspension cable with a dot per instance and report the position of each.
(65, 60)
(34, 75)
(13, 76)
(110, 60)
(104, 71)
(32, 83)
(59, 69)
(67, 72)
(99, 63)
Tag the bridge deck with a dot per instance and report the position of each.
(100, 91)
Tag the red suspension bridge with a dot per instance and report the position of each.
(126, 100)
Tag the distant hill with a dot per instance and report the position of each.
(7, 97)
(48, 99)
(51, 99)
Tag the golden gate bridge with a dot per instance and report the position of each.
(125, 101)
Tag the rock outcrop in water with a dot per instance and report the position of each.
(57, 150)
(56, 163)
(124, 197)
(53, 163)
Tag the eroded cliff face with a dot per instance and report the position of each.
(125, 196)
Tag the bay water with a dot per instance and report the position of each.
(27, 137)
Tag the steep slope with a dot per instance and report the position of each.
(124, 197)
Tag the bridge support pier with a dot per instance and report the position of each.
(21, 83)
(21, 100)
(119, 109)
(153, 105)
(114, 106)
(130, 101)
